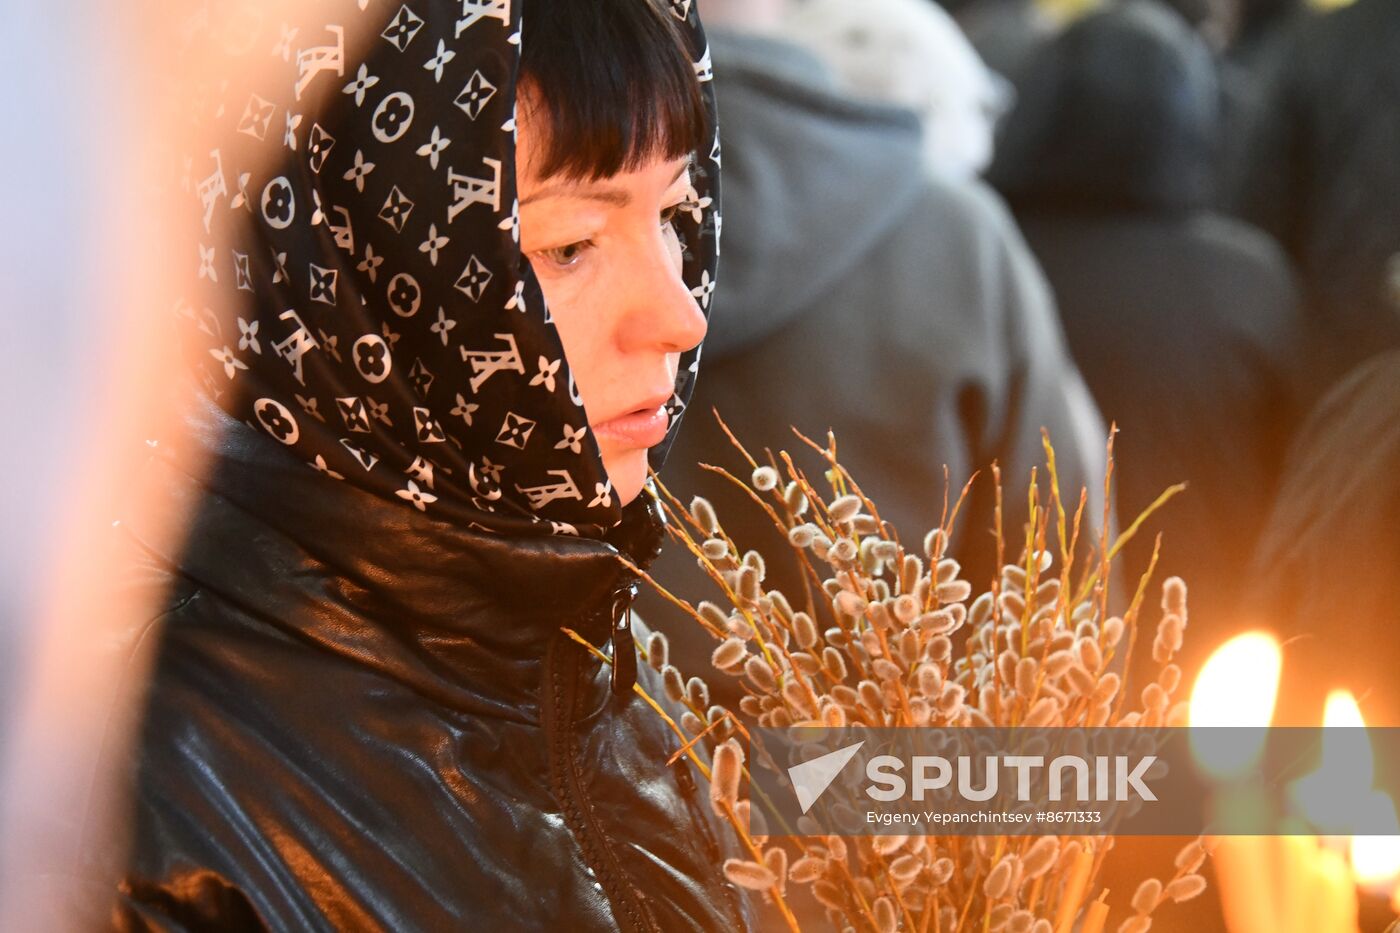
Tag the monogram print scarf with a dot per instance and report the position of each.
(360, 293)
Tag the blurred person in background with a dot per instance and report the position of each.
(865, 295)
(1327, 573)
(911, 54)
(1005, 33)
(361, 712)
(1320, 172)
(84, 320)
(1260, 32)
(1183, 322)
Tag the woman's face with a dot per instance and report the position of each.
(609, 264)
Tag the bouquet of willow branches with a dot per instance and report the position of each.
(895, 637)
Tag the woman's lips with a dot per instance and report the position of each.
(641, 428)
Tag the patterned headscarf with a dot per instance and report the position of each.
(359, 235)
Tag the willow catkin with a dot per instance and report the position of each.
(697, 692)
(1170, 678)
(1155, 698)
(843, 551)
(765, 479)
(748, 584)
(906, 608)
(833, 716)
(1147, 895)
(865, 525)
(1170, 632)
(1040, 857)
(802, 536)
(750, 875)
(673, 684)
(929, 679)
(832, 660)
(1191, 857)
(658, 650)
(1107, 687)
(851, 604)
(712, 614)
(761, 674)
(998, 881)
(804, 630)
(1135, 925)
(1090, 655)
(887, 845)
(1020, 921)
(906, 868)
(1013, 578)
(909, 573)
(776, 860)
(799, 699)
(1081, 681)
(1112, 632)
(887, 551)
(1185, 888)
(795, 498)
(704, 514)
(909, 648)
(887, 670)
(941, 871)
(1012, 605)
(1043, 713)
(843, 508)
(1057, 664)
(714, 549)
(954, 592)
(724, 776)
(1024, 679)
(935, 543)
(806, 663)
(1006, 666)
(1174, 595)
(807, 869)
(730, 653)
(886, 919)
(828, 895)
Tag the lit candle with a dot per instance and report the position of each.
(1075, 886)
(1243, 865)
(1096, 915)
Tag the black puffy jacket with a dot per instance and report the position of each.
(364, 719)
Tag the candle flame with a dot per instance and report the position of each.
(1237, 686)
(1376, 859)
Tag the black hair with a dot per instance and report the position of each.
(616, 80)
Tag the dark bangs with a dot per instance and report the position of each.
(617, 83)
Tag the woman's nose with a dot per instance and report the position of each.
(665, 314)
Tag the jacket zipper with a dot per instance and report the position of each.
(629, 910)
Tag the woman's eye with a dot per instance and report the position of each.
(567, 256)
(669, 214)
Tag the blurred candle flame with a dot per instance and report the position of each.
(1237, 686)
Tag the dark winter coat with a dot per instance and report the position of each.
(361, 718)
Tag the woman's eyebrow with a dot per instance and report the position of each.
(592, 191)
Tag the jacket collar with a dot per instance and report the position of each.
(455, 611)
